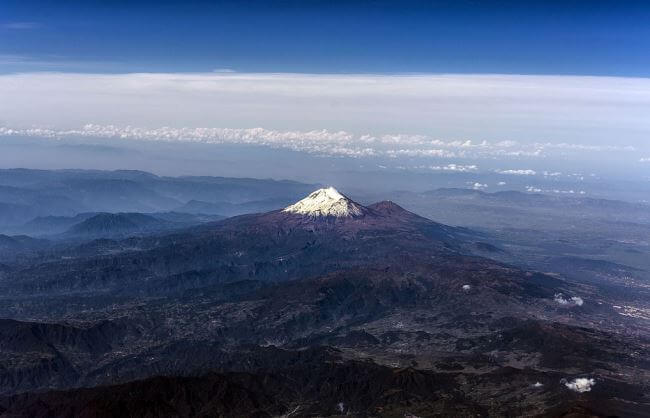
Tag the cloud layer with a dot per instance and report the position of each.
(563, 113)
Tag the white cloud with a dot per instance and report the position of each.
(558, 191)
(341, 407)
(478, 114)
(467, 288)
(532, 189)
(573, 301)
(438, 153)
(581, 384)
(645, 160)
(502, 183)
(454, 167)
(518, 172)
(538, 385)
(479, 186)
(577, 300)
(583, 147)
(321, 142)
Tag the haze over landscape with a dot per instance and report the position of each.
(283, 208)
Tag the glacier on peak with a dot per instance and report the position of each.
(327, 202)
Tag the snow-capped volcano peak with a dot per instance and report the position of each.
(326, 202)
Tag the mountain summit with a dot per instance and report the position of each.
(327, 202)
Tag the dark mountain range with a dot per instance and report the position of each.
(19, 245)
(327, 307)
(186, 219)
(94, 224)
(49, 225)
(321, 383)
(17, 242)
(117, 224)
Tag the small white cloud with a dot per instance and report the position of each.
(563, 191)
(438, 153)
(467, 288)
(645, 160)
(454, 167)
(581, 384)
(583, 147)
(573, 301)
(538, 385)
(502, 183)
(532, 189)
(479, 186)
(518, 172)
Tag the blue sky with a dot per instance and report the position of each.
(507, 37)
